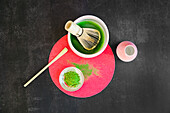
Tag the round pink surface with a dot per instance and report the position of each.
(103, 67)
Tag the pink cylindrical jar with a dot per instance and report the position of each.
(126, 51)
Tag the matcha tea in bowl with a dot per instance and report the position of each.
(97, 40)
(71, 79)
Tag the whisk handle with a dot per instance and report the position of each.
(73, 28)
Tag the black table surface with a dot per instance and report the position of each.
(30, 28)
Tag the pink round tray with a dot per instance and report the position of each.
(98, 71)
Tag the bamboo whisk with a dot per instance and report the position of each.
(88, 37)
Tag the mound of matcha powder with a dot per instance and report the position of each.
(71, 78)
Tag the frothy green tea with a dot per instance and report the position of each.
(79, 47)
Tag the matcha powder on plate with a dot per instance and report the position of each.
(72, 79)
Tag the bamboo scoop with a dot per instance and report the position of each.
(88, 37)
(42, 70)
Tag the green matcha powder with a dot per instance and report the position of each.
(72, 79)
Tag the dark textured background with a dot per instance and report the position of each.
(30, 28)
